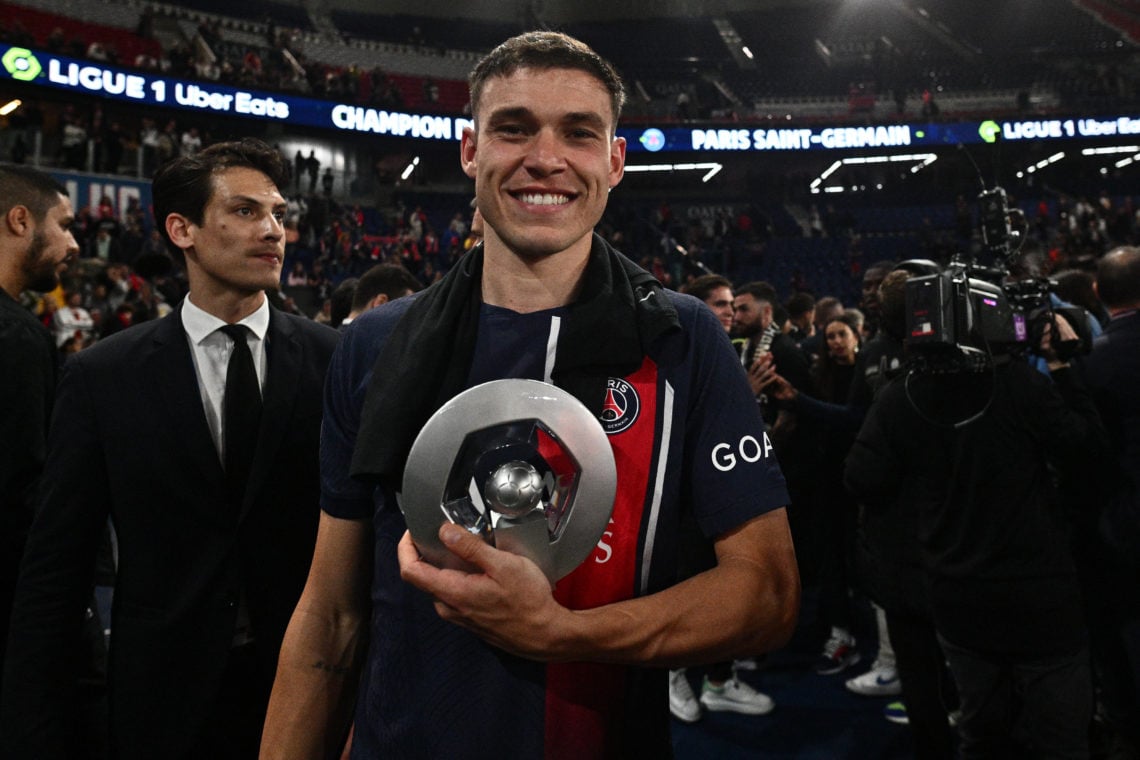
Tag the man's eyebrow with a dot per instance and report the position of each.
(507, 114)
(249, 199)
(586, 118)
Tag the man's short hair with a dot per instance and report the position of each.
(703, 286)
(28, 187)
(1076, 287)
(546, 50)
(759, 290)
(799, 303)
(186, 184)
(391, 280)
(892, 303)
(1118, 277)
(883, 265)
(341, 299)
(825, 305)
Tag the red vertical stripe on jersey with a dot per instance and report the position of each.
(584, 700)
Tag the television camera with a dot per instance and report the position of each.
(965, 316)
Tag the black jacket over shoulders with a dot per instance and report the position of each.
(993, 537)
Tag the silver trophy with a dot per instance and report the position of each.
(520, 463)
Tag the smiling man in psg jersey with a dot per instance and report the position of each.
(442, 663)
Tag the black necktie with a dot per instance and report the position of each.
(241, 412)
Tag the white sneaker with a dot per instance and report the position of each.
(879, 681)
(682, 703)
(735, 696)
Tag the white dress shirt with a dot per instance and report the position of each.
(211, 350)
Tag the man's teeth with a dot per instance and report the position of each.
(544, 199)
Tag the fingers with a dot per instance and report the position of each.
(406, 552)
(762, 363)
(1065, 331)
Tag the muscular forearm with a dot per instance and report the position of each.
(738, 608)
(745, 605)
(313, 694)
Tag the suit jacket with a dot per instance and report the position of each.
(129, 439)
(1112, 372)
(28, 374)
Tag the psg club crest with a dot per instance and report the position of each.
(522, 464)
(621, 408)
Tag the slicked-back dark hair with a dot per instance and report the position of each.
(186, 184)
(25, 186)
(1118, 277)
(546, 50)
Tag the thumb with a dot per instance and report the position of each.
(467, 546)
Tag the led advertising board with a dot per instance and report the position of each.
(147, 88)
(720, 140)
(39, 68)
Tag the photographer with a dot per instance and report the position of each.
(975, 453)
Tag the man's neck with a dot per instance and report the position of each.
(231, 308)
(10, 280)
(527, 285)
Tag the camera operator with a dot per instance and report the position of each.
(1107, 546)
(975, 453)
(1028, 266)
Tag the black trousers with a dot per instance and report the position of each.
(927, 688)
(1012, 706)
(233, 730)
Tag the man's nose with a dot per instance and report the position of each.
(545, 154)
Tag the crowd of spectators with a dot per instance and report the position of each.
(125, 276)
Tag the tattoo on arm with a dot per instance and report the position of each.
(335, 669)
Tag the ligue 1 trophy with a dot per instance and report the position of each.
(520, 463)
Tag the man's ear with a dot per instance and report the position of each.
(181, 231)
(467, 152)
(19, 221)
(380, 299)
(617, 160)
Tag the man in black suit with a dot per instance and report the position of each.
(1112, 371)
(202, 449)
(36, 245)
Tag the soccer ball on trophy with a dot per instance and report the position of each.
(514, 489)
